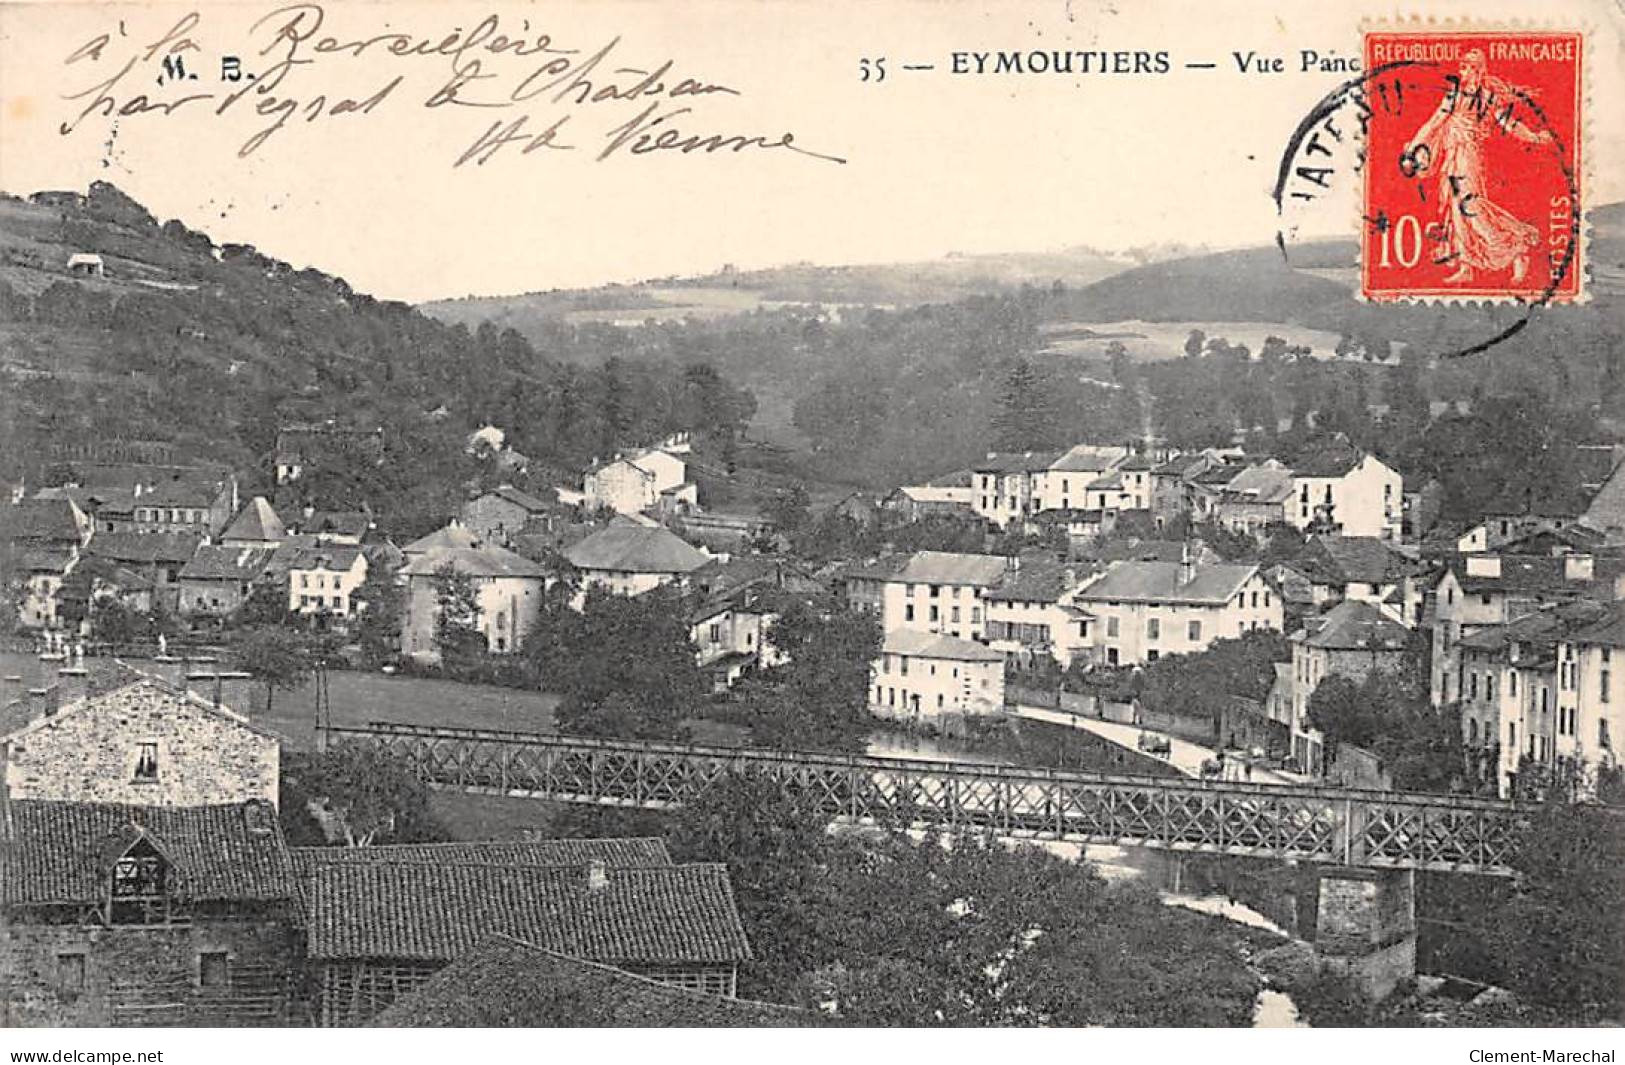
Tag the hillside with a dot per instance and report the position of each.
(837, 289)
(208, 349)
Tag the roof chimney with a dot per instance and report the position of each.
(1187, 567)
(597, 875)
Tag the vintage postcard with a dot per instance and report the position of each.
(746, 514)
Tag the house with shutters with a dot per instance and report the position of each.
(943, 681)
(940, 592)
(1342, 489)
(1590, 731)
(322, 578)
(1031, 615)
(1144, 610)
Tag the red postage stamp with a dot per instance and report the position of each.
(1472, 167)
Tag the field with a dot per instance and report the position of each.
(1156, 341)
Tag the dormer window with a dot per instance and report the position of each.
(146, 763)
(139, 893)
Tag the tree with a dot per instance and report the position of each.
(817, 698)
(282, 659)
(380, 605)
(266, 604)
(456, 623)
(625, 666)
(1562, 933)
(789, 510)
(1195, 343)
(1420, 745)
(1203, 685)
(1122, 366)
(1025, 417)
(363, 795)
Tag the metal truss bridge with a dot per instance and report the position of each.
(1337, 826)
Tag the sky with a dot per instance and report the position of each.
(935, 162)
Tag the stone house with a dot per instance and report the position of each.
(1256, 499)
(503, 513)
(132, 916)
(159, 557)
(218, 580)
(635, 483)
(507, 591)
(145, 744)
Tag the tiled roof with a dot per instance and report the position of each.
(1334, 460)
(1520, 573)
(63, 852)
(1105, 482)
(1039, 580)
(628, 851)
(490, 561)
(1545, 501)
(931, 645)
(145, 549)
(454, 534)
(1609, 631)
(884, 568)
(504, 983)
(1161, 582)
(1220, 475)
(1541, 631)
(258, 521)
(1363, 559)
(214, 563)
(1268, 482)
(318, 556)
(186, 492)
(1136, 550)
(1016, 461)
(1136, 463)
(944, 567)
(436, 911)
(1355, 625)
(636, 549)
(40, 520)
(520, 498)
(1089, 458)
(46, 560)
(337, 523)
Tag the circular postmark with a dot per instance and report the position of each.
(1466, 177)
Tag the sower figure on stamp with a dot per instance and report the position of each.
(1475, 232)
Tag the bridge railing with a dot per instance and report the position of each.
(766, 756)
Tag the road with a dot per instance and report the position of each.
(1183, 755)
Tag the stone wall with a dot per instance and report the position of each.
(1366, 925)
(150, 974)
(89, 753)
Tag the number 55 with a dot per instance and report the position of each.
(872, 69)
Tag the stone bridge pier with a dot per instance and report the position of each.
(1365, 925)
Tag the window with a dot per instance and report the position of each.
(1194, 631)
(1603, 686)
(1602, 735)
(936, 614)
(908, 612)
(975, 615)
(1153, 628)
(146, 762)
(213, 969)
(953, 615)
(1111, 626)
(908, 590)
(1255, 600)
(902, 664)
(936, 590)
(70, 972)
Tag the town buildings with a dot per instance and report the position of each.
(1347, 491)
(216, 581)
(656, 478)
(940, 592)
(322, 577)
(505, 512)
